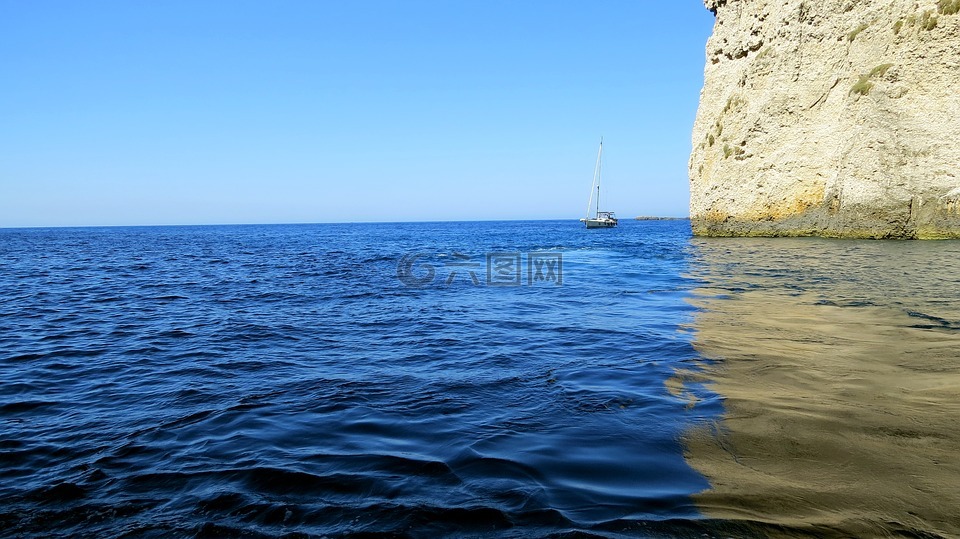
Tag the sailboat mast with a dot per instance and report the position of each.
(599, 166)
(596, 179)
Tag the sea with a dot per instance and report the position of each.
(476, 379)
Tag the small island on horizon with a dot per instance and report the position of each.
(650, 218)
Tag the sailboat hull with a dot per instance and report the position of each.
(600, 223)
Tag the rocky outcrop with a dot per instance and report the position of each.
(829, 117)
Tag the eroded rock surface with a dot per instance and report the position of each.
(831, 118)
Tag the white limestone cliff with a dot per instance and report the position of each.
(829, 117)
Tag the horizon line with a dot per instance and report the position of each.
(157, 225)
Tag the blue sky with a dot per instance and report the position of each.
(177, 112)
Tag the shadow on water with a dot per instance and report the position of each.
(839, 366)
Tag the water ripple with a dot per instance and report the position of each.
(269, 381)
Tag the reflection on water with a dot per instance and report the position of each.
(839, 366)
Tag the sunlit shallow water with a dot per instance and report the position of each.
(282, 380)
(839, 366)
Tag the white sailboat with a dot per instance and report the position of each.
(600, 219)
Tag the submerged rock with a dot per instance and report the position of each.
(829, 118)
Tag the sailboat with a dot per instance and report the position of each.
(600, 219)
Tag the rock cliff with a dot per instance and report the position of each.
(831, 118)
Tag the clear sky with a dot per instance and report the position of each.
(230, 111)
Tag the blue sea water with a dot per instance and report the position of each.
(272, 380)
(486, 379)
